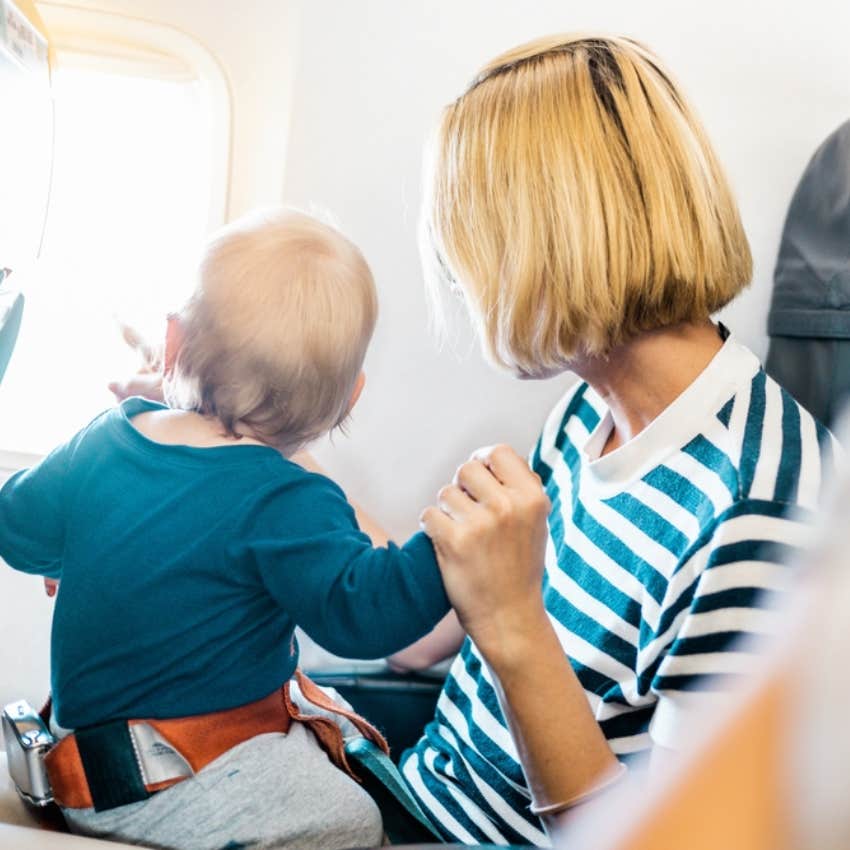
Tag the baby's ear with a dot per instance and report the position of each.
(358, 388)
(173, 342)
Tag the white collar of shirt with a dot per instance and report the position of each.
(732, 367)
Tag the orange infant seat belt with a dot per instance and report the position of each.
(328, 733)
(126, 761)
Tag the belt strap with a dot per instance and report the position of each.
(326, 731)
(110, 763)
(117, 763)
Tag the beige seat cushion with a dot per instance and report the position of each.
(18, 830)
(11, 810)
(23, 838)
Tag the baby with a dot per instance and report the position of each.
(189, 546)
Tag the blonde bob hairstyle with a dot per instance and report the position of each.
(273, 339)
(574, 198)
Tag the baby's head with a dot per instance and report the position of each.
(272, 341)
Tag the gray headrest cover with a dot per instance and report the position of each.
(811, 296)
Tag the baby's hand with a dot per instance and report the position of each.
(51, 586)
(489, 530)
(147, 382)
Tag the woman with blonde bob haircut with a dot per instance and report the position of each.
(573, 199)
(576, 162)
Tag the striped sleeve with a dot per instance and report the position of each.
(720, 603)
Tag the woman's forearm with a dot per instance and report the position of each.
(370, 526)
(490, 531)
(562, 749)
(444, 641)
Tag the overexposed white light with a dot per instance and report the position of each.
(127, 218)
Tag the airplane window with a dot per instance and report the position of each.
(129, 208)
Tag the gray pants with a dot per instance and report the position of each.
(274, 790)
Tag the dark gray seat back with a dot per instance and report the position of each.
(809, 321)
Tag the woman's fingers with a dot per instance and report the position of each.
(511, 469)
(494, 478)
(476, 479)
(451, 500)
(489, 531)
(435, 523)
(507, 474)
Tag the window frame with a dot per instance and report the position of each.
(122, 41)
(113, 38)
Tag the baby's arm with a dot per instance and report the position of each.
(442, 642)
(353, 598)
(32, 517)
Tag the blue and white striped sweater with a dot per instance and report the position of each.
(660, 558)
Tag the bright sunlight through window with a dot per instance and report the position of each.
(128, 213)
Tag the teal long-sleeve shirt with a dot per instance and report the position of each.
(184, 572)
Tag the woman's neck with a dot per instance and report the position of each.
(641, 378)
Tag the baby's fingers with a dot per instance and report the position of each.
(151, 354)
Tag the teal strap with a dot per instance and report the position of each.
(404, 820)
(110, 764)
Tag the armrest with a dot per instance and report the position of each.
(400, 705)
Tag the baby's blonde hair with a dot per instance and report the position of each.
(274, 337)
(576, 200)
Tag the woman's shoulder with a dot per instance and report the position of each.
(785, 454)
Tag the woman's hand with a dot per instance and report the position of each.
(489, 532)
